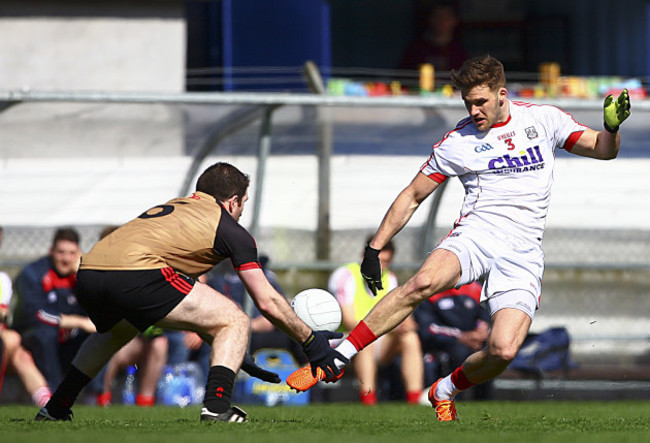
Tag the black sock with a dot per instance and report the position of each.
(219, 389)
(67, 392)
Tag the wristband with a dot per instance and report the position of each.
(310, 339)
(610, 129)
(371, 252)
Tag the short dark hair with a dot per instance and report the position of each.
(477, 71)
(69, 234)
(222, 181)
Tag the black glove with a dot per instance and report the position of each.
(250, 367)
(371, 269)
(321, 354)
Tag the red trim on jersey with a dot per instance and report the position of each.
(530, 105)
(498, 125)
(572, 140)
(437, 177)
(461, 124)
(456, 223)
(524, 104)
(249, 265)
(176, 281)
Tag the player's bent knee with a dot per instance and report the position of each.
(423, 285)
(237, 320)
(23, 358)
(410, 339)
(11, 340)
(504, 354)
(242, 320)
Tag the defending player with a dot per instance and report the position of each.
(144, 274)
(503, 153)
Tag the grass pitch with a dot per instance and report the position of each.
(342, 422)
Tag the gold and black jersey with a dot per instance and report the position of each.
(190, 234)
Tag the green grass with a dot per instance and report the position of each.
(342, 422)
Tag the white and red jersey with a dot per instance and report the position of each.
(507, 171)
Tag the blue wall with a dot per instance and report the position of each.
(279, 33)
(604, 37)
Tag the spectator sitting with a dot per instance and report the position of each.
(453, 325)
(438, 44)
(13, 357)
(148, 351)
(47, 315)
(356, 301)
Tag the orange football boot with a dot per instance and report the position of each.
(445, 409)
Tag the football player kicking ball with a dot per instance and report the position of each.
(503, 153)
(144, 273)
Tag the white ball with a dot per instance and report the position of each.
(318, 309)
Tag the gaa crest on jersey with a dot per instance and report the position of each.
(531, 133)
(482, 148)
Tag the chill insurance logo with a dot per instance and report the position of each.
(529, 160)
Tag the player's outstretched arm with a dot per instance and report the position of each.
(605, 144)
(397, 216)
(275, 307)
(403, 208)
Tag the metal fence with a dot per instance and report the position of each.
(324, 170)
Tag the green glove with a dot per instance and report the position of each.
(616, 111)
(152, 332)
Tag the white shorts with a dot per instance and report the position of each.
(511, 267)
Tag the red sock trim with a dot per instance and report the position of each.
(368, 398)
(145, 400)
(104, 399)
(413, 397)
(361, 336)
(460, 380)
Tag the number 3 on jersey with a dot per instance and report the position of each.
(510, 144)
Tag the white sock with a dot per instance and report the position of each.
(446, 389)
(348, 351)
(41, 396)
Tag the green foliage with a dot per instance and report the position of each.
(342, 422)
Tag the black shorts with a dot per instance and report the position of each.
(141, 297)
